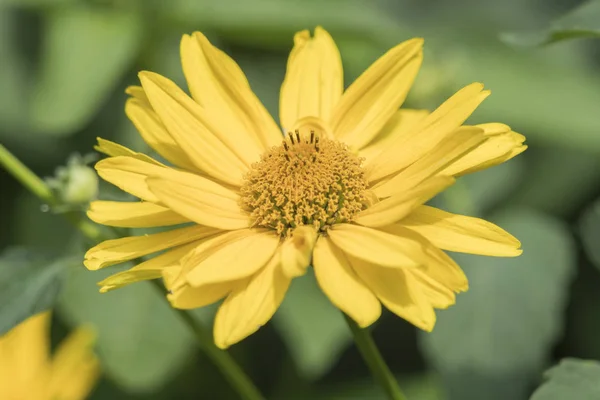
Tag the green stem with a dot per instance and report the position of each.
(223, 360)
(375, 361)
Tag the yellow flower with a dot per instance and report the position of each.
(28, 373)
(343, 190)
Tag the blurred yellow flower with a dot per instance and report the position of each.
(28, 372)
(342, 190)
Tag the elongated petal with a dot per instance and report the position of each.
(116, 251)
(437, 264)
(75, 369)
(147, 270)
(398, 206)
(24, 352)
(224, 264)
(398, 291)
(501, 145)
(397, 128)
(428, 133)
(314, 79)
(438, 295)
(369, 103)
(129, 174)
(137, 92)
(453, 147)
(199, 199)
(114, 150)
(218, 84)
(250, 305)
(296, 251)
(340, 283)
(377, 247)
(133, 214)
(155, 134)
(461, 233)
(188, 298)
(189, 126)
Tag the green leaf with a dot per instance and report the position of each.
(512, 314)
(272, 23)
(571, 379)
(554, 170)
(84, 53)
(419, 387)
(589, 226)
(29, 284)
(313, 329)
(582, 22)
(141, 341)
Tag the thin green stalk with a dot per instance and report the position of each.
(375, 361)
(223, 360)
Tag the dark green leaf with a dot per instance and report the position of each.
(29, 284)
(85, 51)
(571, 379)
(141, 341)
(314, 330)
(582, 22)
(589, 226)
(511, 316)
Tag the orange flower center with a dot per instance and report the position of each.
(307, 180)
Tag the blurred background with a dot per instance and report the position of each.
(64, 65)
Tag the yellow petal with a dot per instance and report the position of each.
(75, 369)
(236, 258)
(155, 134)
(133, 214)
(129, 174)
(369, 103)
(188, 124)
(438, 295)
(342, 286)
(116, 251)
(398, 291)
(436, 264)
(218, 84)
(137, 92)
(199, 199)
(397, 128)
(428, 133)
(461, 233)
(147, 270)
(114, 149)
(250, 305)
(188, 298)
(463, 140)
(376, 246)
(398, 206)
(314, 79)
(296, 251)
(24, 353)
(501, 145)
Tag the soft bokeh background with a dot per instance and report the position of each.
(64, 65)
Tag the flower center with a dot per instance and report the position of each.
(305, 181)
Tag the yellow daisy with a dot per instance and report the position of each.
(28, 373)
(342, 189)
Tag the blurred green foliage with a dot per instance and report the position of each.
(64, 65)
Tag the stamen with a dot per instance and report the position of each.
(317, 182)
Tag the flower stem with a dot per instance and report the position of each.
(223, 360)
(375, 361)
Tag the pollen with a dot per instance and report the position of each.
(307, 180)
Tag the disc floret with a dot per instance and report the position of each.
(307, 180)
